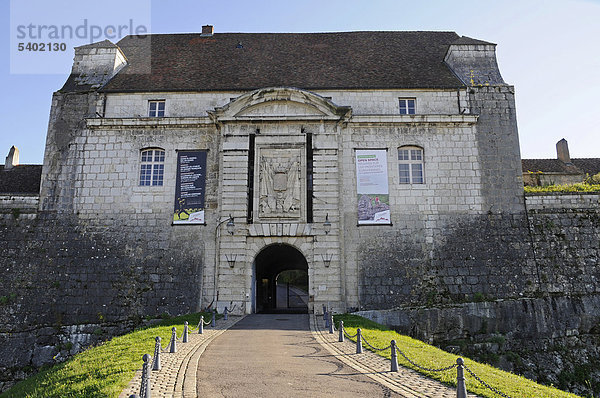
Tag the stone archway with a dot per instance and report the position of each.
(270, 262)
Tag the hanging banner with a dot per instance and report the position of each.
(190, 187)
(372, 186)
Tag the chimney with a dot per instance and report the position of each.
(12, 159)
(562, 151)
(207, 30)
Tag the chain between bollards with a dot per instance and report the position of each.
(461, 390)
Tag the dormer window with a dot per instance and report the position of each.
(407, 106)
(156, 108)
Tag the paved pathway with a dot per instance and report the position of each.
(280, 355)
(276, 355)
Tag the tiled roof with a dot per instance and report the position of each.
(589, 166)
(247, 61)
(23, 179)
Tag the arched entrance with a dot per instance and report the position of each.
(274, 289)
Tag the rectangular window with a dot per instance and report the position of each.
(407, 106)
(152, 167)
(410, 165)
(156, 108)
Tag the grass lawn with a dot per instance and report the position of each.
(104, 370)
(432, 357)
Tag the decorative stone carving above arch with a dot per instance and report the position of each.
(280, 103)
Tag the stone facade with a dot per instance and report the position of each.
(281, 162)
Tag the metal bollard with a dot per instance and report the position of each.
(358, 341)
(173, 340)
(225, 313)
(341, 336)
(461, 388)
(213, 321)
(185, 332)
(156, 360)
(331, 323)
(145, 387)
(394, 357)
(201, 325)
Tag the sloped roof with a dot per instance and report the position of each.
(22, 179)
(248, 61)
(589, 166)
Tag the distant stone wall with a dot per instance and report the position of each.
(19, 206)
(541, 179)
(565, 234)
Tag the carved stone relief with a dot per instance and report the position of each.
(280, 193)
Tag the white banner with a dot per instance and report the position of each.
(372, 186)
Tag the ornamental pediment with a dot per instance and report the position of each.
(280, 103)
(280, 108)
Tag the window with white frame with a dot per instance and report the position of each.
(152, 166)
(156, 108)
(410, 165)
(407, 106)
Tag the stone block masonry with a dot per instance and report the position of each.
(59, 271)
(521, 291)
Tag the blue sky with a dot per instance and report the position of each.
(550, 52)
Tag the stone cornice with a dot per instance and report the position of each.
(148, 122)
(413, 119)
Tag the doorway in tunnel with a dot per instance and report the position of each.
(280, 281)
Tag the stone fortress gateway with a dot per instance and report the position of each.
(187, 171)
(404, 142)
